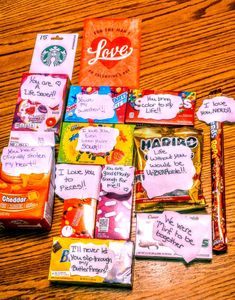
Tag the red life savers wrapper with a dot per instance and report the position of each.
(218, 187)
(147, 138)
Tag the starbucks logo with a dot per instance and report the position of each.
(53, 55)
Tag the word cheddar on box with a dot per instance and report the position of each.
(161, 107)
(96, 144)
(110, 52)
(102, 104)
(92, 261)
(41, 102)
(26, 187)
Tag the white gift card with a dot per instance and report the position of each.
(54, 53)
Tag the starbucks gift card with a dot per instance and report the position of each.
(110, 52)
(54, 54)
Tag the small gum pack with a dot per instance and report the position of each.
(26, 187)
(92, 261)
(114, 209)
(110, 52)
(79, 186)
(102, 104)
(41, 102)
(168, 238)
(161, 107)
(168, 169)
(98, 144)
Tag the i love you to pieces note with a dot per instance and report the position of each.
(110, 52)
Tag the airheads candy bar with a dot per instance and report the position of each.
(114, 209)
(161, 107)
(168, 169)
(110, 52)
(92, 261)
(26, 187)
(41, 102)
(96, 144)
(102, 104)
(78, 218)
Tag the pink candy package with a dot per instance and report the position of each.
(114, 211)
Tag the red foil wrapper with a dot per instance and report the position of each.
(218, 188)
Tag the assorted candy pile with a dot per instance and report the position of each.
(120, 147)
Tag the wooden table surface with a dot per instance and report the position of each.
(186, 45)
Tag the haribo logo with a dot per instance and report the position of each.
(109, 52)
(53, 55)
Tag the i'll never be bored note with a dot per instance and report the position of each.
(179, 233)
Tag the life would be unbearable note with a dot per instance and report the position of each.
(168, 169)
(110, 52)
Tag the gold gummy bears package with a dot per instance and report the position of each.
(168, 169)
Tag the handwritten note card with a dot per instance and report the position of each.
(77, 181)
(168, 168)
(26, 160)
(161, 106)
(90, 259)
(179, 233)
(220, 108)
(43, 88)
(94, 106)
(117, 179)
(97, 139)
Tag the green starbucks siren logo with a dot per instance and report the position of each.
(53, 55)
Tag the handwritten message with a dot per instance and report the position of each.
(220, 108)
(77, 181)
(90, 259)
(26, 160)
(167, 169)
(94, 106)
(180, 233)
(97, 139)
(43, 88)
(117, 179)
(161, 106)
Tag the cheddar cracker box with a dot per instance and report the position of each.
(26, 187)
(96, 144)
(111, 52)
(102, 104)
(148, 231)
(41, 102)
(161, 107)
(92, 261)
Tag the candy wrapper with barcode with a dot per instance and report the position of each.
(114, 210)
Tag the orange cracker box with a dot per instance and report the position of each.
(26, 187)
(110, 52)
(97, 144)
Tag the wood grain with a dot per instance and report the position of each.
(186, 45)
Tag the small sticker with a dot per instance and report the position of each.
(168, 169)
(97, 139)
(157, 107)
(94, 106)
(220, 109)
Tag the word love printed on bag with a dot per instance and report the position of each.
(110, 52)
